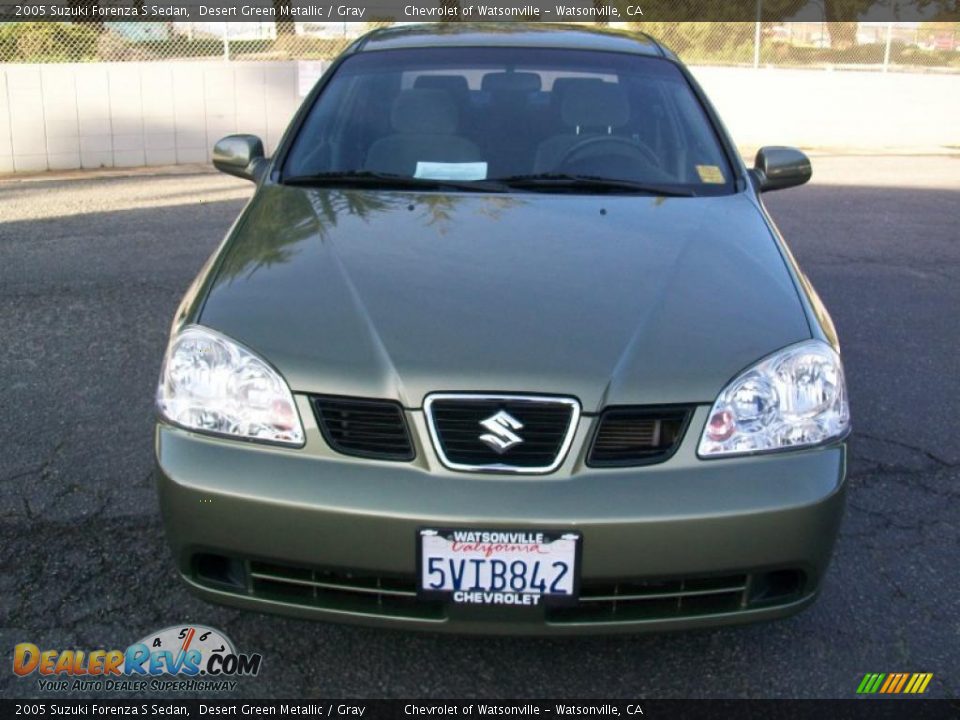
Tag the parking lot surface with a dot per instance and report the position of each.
(92, 269)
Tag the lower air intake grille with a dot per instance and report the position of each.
(343, 591)
(637, 435)
(652, 599)
(369, 593)
(511, 433)
(642, 599)
(373, 429)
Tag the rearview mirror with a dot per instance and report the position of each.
(777, 168)
(240, 155)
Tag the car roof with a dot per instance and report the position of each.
(534, 35)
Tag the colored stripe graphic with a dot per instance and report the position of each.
(891, 681)
(894, 683)
(903, 681)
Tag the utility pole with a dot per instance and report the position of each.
(756, 37)
(886, 52)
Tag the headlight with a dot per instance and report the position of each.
(795, 398)
(211, 384)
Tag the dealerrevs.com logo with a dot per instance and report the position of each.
(177, 658)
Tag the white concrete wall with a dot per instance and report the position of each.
(58, 117)
(838, 110)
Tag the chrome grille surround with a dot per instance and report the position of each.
(508, 400)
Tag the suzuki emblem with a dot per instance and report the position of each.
(501, 436)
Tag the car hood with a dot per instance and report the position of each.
(612, 300)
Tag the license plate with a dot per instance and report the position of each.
(499, 567)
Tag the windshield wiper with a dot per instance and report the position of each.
(388, 181)
(539, 183)
(561, 181)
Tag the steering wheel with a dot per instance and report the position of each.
(618, 144)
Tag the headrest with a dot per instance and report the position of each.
(564, 85)
(595, 105)
(428, 112)
(526, 82)
(456, 85)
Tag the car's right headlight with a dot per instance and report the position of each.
(210, 383)
(795, 398)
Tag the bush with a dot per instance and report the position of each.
(704, 41)
(868, 54)
(112, 47)
(47, 42)
(309, 48)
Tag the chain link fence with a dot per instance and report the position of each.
(904, 46)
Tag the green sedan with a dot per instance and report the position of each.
(504, 342)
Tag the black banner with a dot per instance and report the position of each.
(872, 709)
(612, 11)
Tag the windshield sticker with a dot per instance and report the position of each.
(710, 174)
(451, 171)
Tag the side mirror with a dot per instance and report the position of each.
(240, 155)
(777, 168)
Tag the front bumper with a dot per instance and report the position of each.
(311, 533)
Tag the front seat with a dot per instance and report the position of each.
(456, 85)
(512, 125)
(592, 108)
(563, 86)
(424, 123)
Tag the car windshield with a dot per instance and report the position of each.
(512, 119)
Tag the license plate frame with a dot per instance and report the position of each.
(569, 549)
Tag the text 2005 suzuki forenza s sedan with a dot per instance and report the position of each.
(505, 341)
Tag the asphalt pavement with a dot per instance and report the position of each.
(91, 270)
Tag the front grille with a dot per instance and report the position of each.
(534, 434)
(637, 435)
(373, 429)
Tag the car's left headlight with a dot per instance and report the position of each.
(209, 383)
(795, 398)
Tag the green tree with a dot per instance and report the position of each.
(454, 7)
(78, 6)
(281, 9)
(48, 42)
(376, 23)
